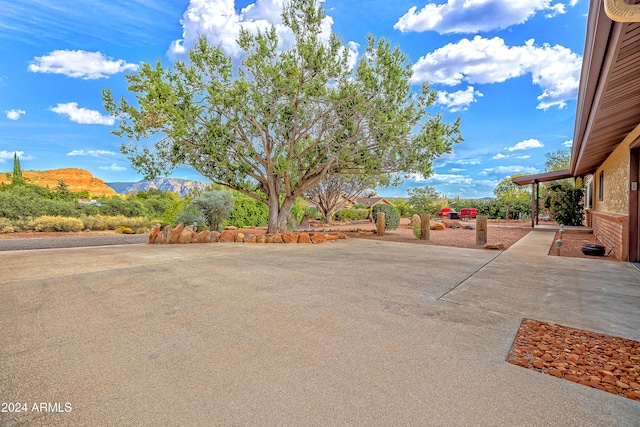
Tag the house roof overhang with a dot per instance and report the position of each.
(608, 104)
(542, 177)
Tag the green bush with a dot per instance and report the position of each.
(391, 216)
(189, 215)
(353, 214)
(102, 222)
(563, 202)
(57, 223)
(6, 226)
(215, 205)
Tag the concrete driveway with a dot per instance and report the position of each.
(354, 332)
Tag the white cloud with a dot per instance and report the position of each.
(79, 64)
(113, 167)
(14, 114)
(505, 171)
(457, 169)
(568, 143)
(527, 144)
(473, 16)
(219, 21)
(449, 178)
(8, 155)
(83, 116)
(555, 69)
(457, 101)
(500, 156)
(92, 153)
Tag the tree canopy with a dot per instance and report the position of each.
(275, 125)
(511, 195)
(557, 160)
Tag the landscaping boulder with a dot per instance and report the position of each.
(290, 238)
(498, 246)
(213, 237)
(250, 238)
(202, 237)
(154, 234)
(227, 236)
(240, 238)
(175, 234)
(185, 235)
(437, 226)
(166, 234)
(318, 238)
(415, 221)
(304, 238)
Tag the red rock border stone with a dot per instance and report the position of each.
(600, 361)
(187, 234)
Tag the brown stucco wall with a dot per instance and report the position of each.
(610, 217)
(616, 182)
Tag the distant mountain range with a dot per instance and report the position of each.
(173, 185)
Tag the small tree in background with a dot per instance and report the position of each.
(333, 192)
(216, 206)
(426, 200)
(16, 178)
(511, 196)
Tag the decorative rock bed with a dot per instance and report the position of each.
(605, 362)
(182, 234)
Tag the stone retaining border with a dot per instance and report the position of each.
(182, 234)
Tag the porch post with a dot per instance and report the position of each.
(533, 203)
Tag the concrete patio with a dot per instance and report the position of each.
(355, 332)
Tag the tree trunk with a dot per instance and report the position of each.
(279, 215)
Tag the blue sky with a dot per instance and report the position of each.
(509, 69)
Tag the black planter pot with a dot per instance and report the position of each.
(593, 250)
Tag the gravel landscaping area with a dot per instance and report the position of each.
(608, 363)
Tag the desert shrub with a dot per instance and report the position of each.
(391, 216)
(57, 223)
(215, 205)
(103, 222)
(96, 222)
(247, 212)
(353, 214)
(6, 226)
(191, 214)
(117, 205)
(417, 230)
(123, 229)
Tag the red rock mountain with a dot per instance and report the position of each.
(76, 179)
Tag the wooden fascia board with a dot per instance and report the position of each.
(602, 33)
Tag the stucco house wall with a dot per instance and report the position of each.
(609, 217)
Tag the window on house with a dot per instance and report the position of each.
(590, 195)
(601, 186)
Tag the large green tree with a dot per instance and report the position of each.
(276, 124)
(511, 195)
(557, 160)
(426, 199)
